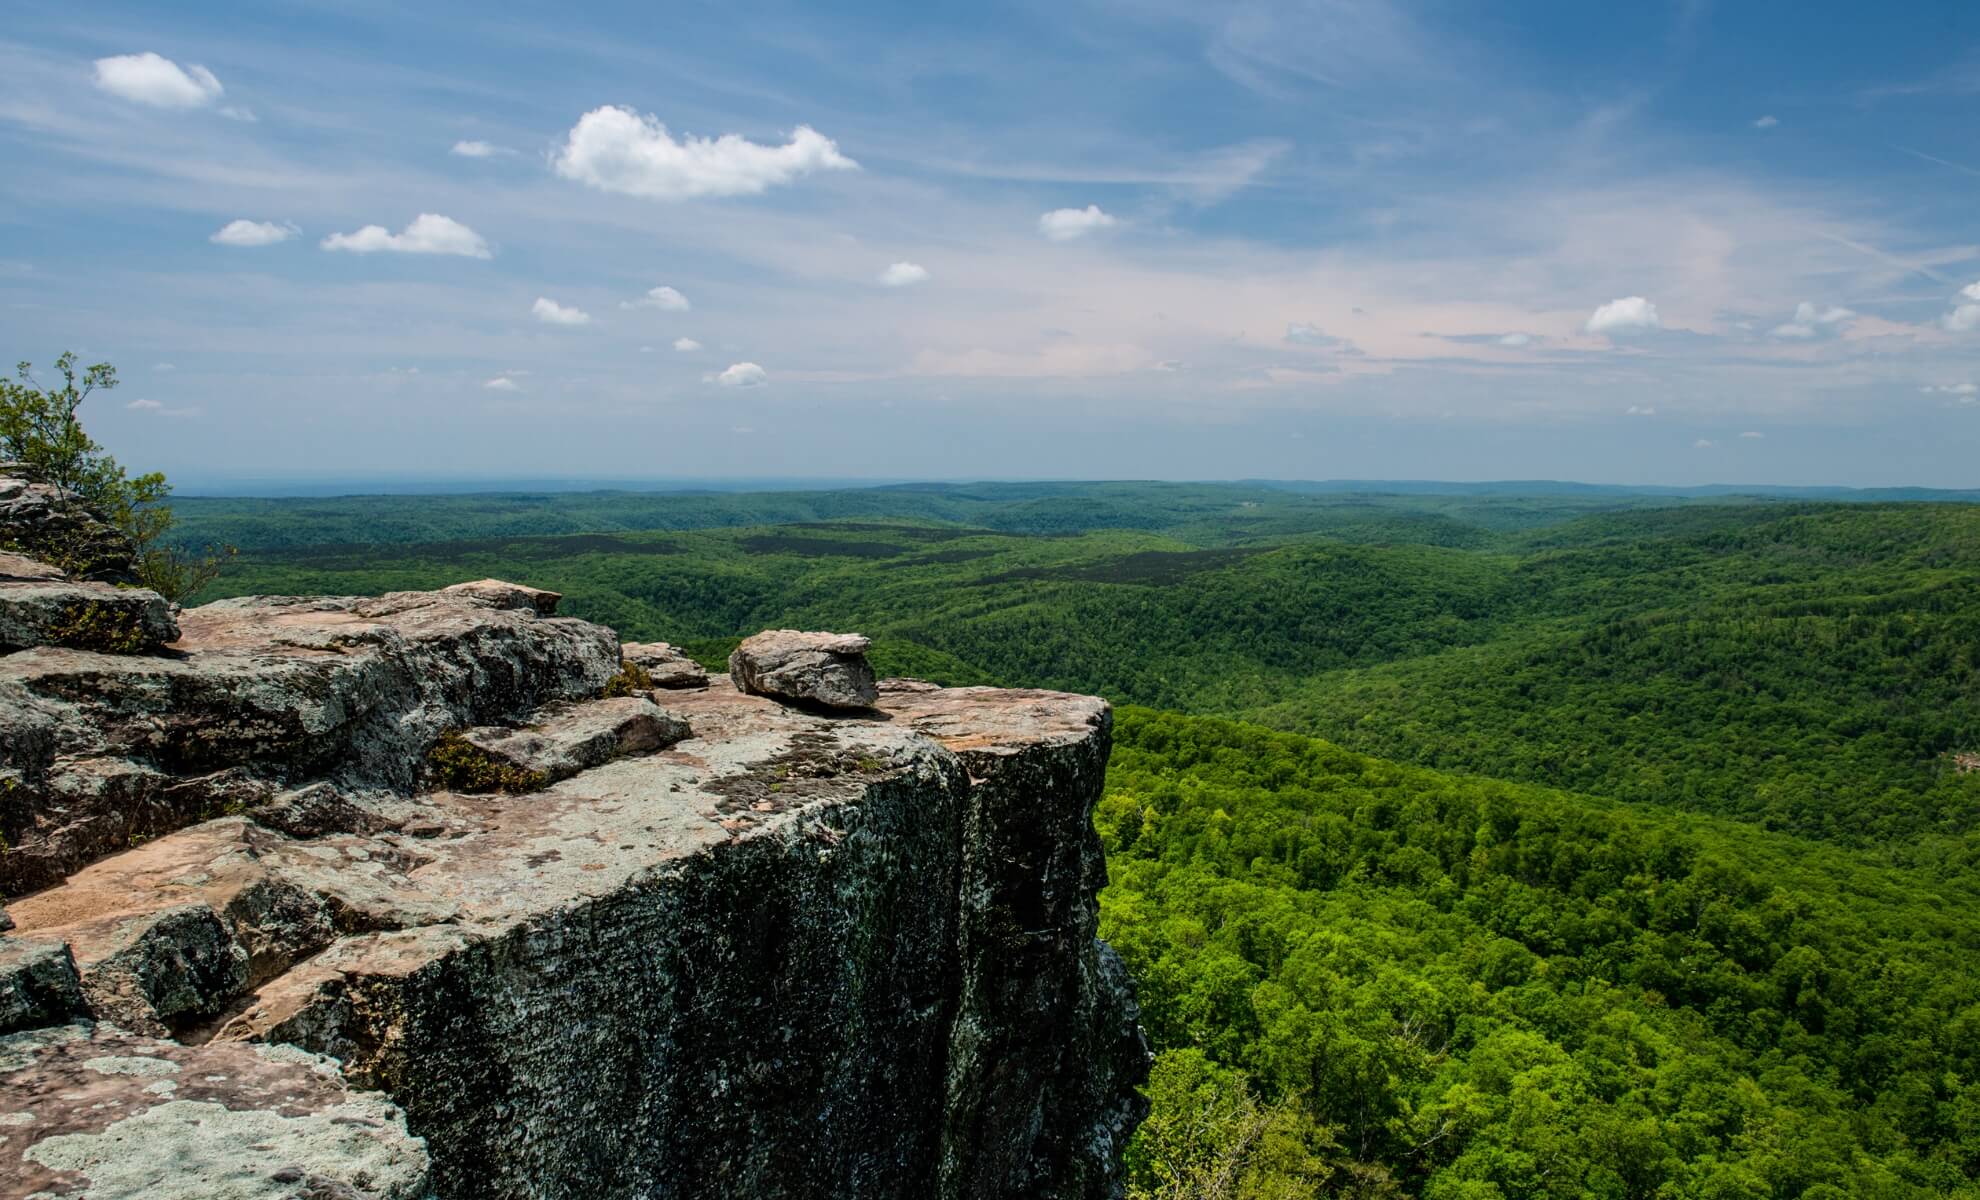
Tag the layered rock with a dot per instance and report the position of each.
(743, 947)
(825, 669)
(260, 695)
(41, 606)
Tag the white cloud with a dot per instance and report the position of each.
(903, 274)
(478, 149)
(1752, 434)
(686, 345)
(1310, 335)
(1065, 224)
(163, 366)
(502, 383)
(1810, 321)
(1966, 393)
(429, 233)
(252, 233)
(742, 375)
(158, 81)
(1516, 340)
(1640, 410)
(1964, 318)
(1704, 444)
(1767, 122)
(618, 150)
(550, 312)
(1171, 364)
(1623, 315)
(664, 298)
(153, 406)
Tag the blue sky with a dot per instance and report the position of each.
(1663, 242)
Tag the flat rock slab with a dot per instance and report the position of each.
(19, 567)
(500, 593)
(79, 614)
(92, 1111)
(827, 669)
(667, 665)
(565, 739)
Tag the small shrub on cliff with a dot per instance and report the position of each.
(39, 427)
(632, 680)
(460, 766)
(86, 625)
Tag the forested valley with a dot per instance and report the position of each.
(1465, 842)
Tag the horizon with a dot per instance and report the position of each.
(1300, 240)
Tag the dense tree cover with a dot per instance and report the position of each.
(1811, 667)
(1408, 983)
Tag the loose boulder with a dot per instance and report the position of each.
(825, 669)
(668, 667)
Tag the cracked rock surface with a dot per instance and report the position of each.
(740, 948)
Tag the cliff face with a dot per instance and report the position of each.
(796, 953)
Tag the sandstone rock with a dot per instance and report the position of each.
(38, 984)
(83, 615)
(52, 525)
(668, 666)
(98, 750)
(96, 1111)
(827, 669)
(19, 568)
(146, 971)
(499, 593)
(798, 954)
(563, 739)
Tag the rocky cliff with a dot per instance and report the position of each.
(437, 893)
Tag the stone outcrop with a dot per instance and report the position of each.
(665, 665)
(498, 593)
(81, 614)
(261, 695)
(51, 525)
(728, 945)
(824, 669)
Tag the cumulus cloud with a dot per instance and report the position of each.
(1171, 364)
(1704, 444)
(1964, 318)
(252, 233)
(1810, 321)
(502, 383)
(550, 312)
(1516, 340)
(478, 149)
(1766, 122)
(1065, 224)
(663, 298)
(742, 375)
(1624, 315)
(158, 81)
(429, 233)
(618, 150)
(686, 345)
(903, 274)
